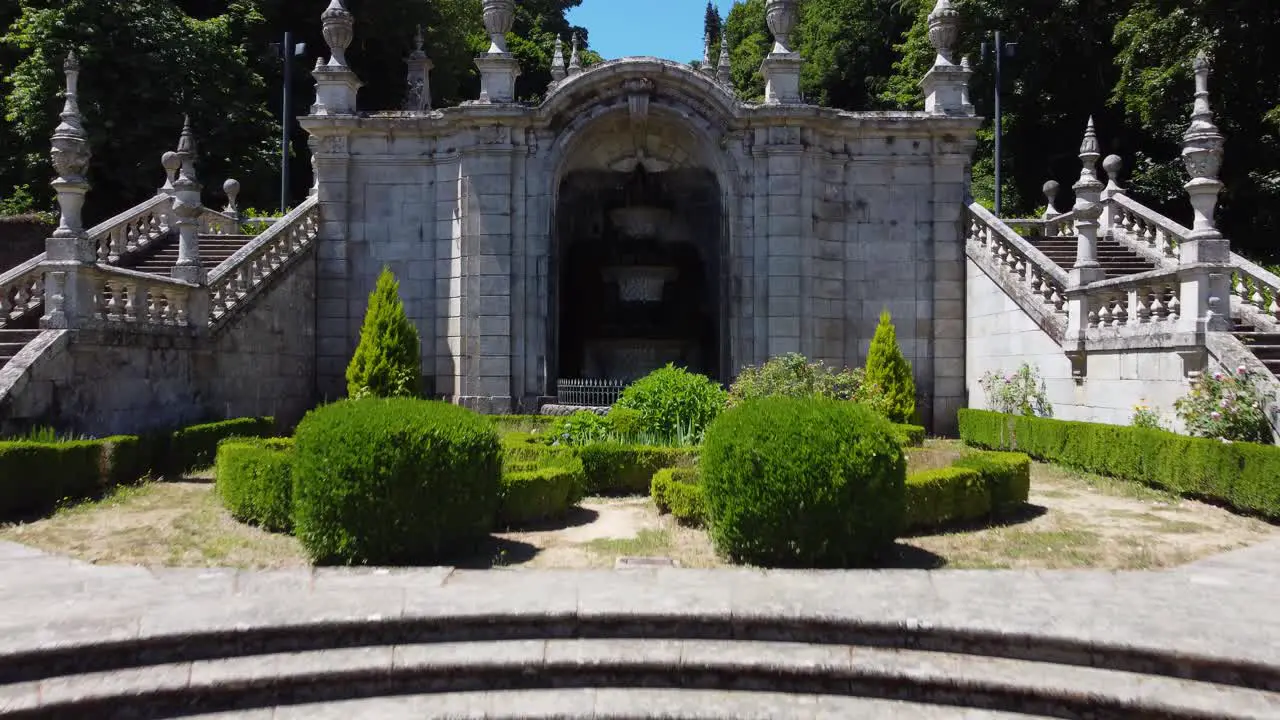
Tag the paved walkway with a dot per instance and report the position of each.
(1221, 607)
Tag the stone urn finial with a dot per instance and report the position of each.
(1088, 188)
(781, 16)
(944, 31)
(70, 155)
(575, 58)
(1202, 154)
(499, 15)
(339, 31)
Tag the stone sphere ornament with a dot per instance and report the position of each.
(1113, 164)
(499, 15)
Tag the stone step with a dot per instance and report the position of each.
(616, 704)
(940, 679)
(12, 342)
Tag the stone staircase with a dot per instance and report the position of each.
(1117, 259)
(12, 341)
(160, 257)
(1264, 345)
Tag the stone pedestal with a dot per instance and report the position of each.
(782, 78)
(946, 90)
(498, 73)
(336, 90)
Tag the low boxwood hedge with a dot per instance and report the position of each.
(615, 469)
(678, 491)
(1007, 476)
(1244, 476)
(254, 478)
(909, 435)
(196, 447)
(539, 493)
(35, 477)
(945, 495)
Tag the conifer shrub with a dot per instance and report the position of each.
(254, 478)
(394, 481)
(803, 483)
(674, 402)
(891, 388)
(386, 362)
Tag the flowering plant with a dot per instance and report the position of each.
(1146, 417)
(1229, 407)
(1017, 393)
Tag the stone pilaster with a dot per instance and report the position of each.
(68, 292)
(339, 309)
(781, 67)
(785, 246)
(418, 81)
(498, 67)
(950, 172)
(1206, 292)
(1088, 209)
(336, 83)
(946, 85)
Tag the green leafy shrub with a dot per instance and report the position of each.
(674, 401)
(678, 491)
(1227, 407)
(625, 422)
(803, 482)
(616, 469)
(386, 362)
(889, 386)
(1241, 475)
(195, 447)
(1007, 476)
(391, 481)
(254, 478)
(1021, 392)
(36, 477)
(909, 435)
(792, 375)
(1146, 417)
(946, 495)
(539, 493)
(581, 428)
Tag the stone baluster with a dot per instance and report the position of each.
(558, 72)
(336, 83)
(575, 58)
(724, 70)
(1205, 291)
(498, 67)
(418, 97)
(946, 85)
(187, 209)
(781, 68)
(1111, 215)
(69, 249)
(1051, 190)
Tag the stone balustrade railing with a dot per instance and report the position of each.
(214, 222)
(132, 230)
(21, 290)
(141, 299)
(1144, 299)
(1145, 227)
(238, 278)
(1022, 261)
(1057, 226)
(1256, 287)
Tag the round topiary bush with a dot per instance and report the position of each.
(674, 403)
(392, 481)
(791, 482)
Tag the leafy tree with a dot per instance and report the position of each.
(386, 362)
(889, 373)
(747, 33)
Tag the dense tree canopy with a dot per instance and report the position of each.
(1126, 62)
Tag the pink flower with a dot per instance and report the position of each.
(1215, 415)
(1224, 403)
(1217, 376)
(1242, 370)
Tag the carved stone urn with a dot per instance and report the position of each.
(781, 16)
(944, 30)
(338, 30)
(498, 18)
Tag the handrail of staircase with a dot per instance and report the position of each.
(216, 222)
(1062, 224)
(1022, 247)
(132, 230)
(1256, 287)
(21, 289)
(1151, 298)
(238, 277)
(1147, 228)
(141, 300)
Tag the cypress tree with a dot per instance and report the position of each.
(386, 362)
(711, 24)
(889, 374)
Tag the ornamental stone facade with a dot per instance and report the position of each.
(641, 214)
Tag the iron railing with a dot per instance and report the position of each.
(588, 392)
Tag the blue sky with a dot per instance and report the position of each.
(669, 29)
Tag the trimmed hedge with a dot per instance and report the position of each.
(35, 477)
(196, 447)
(909, 435)
(803, 483)
(1007, 476)
(1245, 476)
(679, 492)
(394, 481)
(614, 469)
(254, 478)
(540, 493)
(945, 495)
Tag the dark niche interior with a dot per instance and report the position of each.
(638, 273)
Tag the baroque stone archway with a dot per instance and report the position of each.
(639, 247)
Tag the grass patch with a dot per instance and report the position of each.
(1104, 485)
(646, 542)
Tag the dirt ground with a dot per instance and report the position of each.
(1071, 521)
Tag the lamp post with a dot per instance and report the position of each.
(1002, 50)
(288, 51)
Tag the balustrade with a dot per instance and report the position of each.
(1017, 257)
(140, 299)
(131, 230)
(21, 290)
(1256, 287)
(213, 222)
(1144, 299)
(1146, 227)
(233, 281)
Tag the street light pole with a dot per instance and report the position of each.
(289, 51)
(1001, 49)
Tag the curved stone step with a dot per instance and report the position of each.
(925, 677)
(616, 704)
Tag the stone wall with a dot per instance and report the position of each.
(263, 362)
(21, 238)
(1001, 336)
